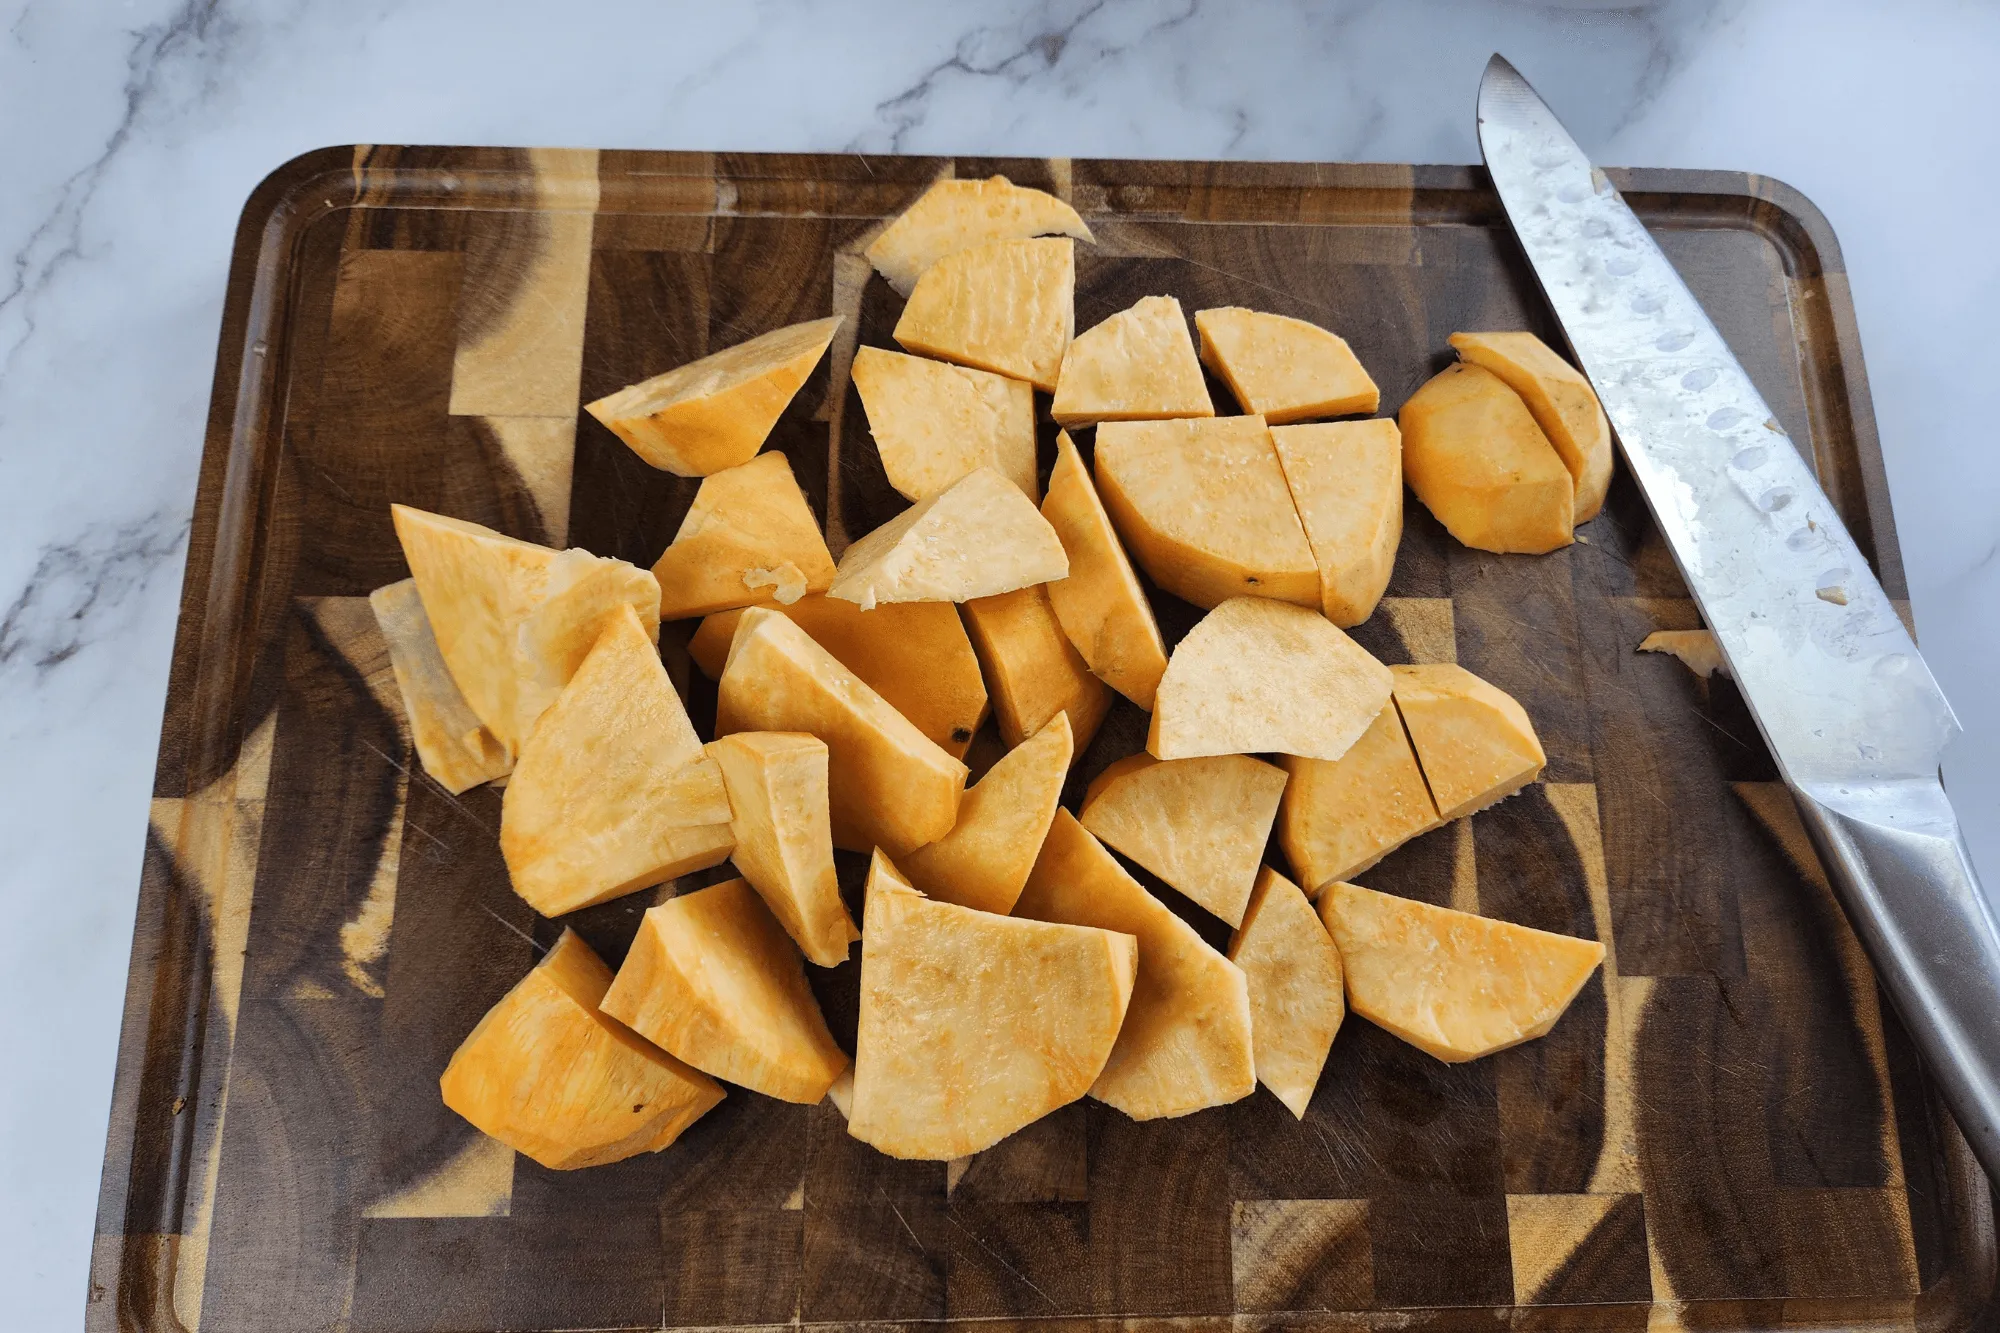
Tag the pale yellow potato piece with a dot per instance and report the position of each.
(1346, 478)
(1032, 669)
(1455, 985)
(1199, 824)
(512, 619)
(955, 214)
(1473, 741)
(888, 785)
(914, 654)
(933, 422)
(1099, 603)
(716, 412)
(612, 793)
(749, 530)
(547, 1074)
(454, 747)
(1341, 816)
(782, 822)
(1138, 365)
(985, 859)
(1562, 401)
(1696, 648)
(1474, 455)
(974, 1025)
(1282, 368)
(1296, 988)
(713, 979)
(1006, 306)
(1256, 676)
(1186, 1042)
(977, 537)
(1203, 507)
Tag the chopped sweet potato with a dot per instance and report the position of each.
(1138, 365)
(1562, 401)
(1203, 507)
(977, 537)
(1005, 306)
(1346, 478)
(985, 859)
(784, 835)
(1186, 1041)
(933, 422)
(1473, 741)
(452, 744)
(1199, 824)
(1474, 455)
(953, 215)
(914, 654)
(1284, 369)
(547, 1074)
(716, 412)
(1296, 988)
(713, 980)
(974, 1025)
(1341, 816)
(1032, 668)
(748, 531)
(1256, 676)
(1099, 603)
(888, 784)
(1455, 985)
(612, 793)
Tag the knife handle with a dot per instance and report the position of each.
(1900, 867)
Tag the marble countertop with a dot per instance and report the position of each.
(140, 127)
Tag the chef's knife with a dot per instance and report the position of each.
(1835, 682)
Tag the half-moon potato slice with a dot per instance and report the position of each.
(1473, 740)
(1284, 369)
(954, 214)
(1138, 365)
(1007, 307)
(933, 422)
(1199, 824)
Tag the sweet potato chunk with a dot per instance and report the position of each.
(888, 784)
(713, 980)
(978, 537)
(1341, 816)
(1474, 455)
(716, 412)
(1186, 1041)
(783, 827)
(512, 619)
(1296, 985)
(914, 654)
(1562, 401)
(1346, 477)
(1199, 824)
(1203, 507)
(1006, 306)
(973, 1025)
(1138, 365)
(1473, 741)
(1032, 668)
(1255, 676)
(453, 745)
(547, 1074)
(953, 215)
(985, 859)
(1450, 983)
(1281, 368)
(748, 532)
(612, 793)
(1099, 603)
(934, 422)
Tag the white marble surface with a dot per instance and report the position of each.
(137, 128)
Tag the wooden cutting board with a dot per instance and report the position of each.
(1726, 1131)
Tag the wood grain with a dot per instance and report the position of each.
(1727, 1131)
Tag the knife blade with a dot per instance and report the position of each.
(1843, 698)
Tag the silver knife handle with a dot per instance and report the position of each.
(1899, 864)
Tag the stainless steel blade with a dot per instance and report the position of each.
(1844, 700)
